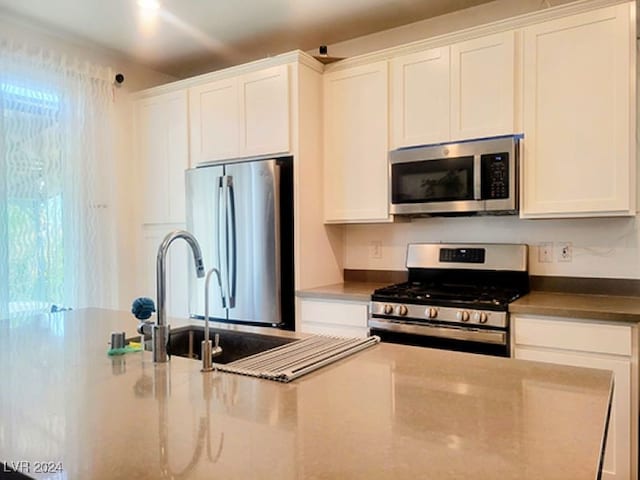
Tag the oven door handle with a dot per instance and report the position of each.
(456, 333)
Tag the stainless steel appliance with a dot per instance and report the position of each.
(241, 212)
(456, 297)
(473, 177)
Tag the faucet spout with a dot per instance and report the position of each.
(160, 333)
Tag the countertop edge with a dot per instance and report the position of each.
(343, 297)
(577, 305)
(346, 291)
(614, 308)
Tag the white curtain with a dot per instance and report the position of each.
(56, 177)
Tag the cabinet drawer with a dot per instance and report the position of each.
(579, 335)
(345, 314)
(334, 330)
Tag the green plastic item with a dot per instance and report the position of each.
(132, 347)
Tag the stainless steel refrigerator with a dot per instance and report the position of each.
(241, 213)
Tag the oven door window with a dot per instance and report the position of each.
(427, 181)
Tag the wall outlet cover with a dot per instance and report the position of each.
(375, 249)
(565, 252)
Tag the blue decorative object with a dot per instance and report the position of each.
(142, 308)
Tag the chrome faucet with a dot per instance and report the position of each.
(207, 352)
(160, 331)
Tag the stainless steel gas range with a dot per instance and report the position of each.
(457, 297)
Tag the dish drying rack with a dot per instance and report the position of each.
(291, 361)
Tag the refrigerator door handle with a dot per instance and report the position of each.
(220, 214)
(232, 276)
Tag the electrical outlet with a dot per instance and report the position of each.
(545, 252)
(565, 251)
(375, 249)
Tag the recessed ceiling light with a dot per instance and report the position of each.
(149, 4)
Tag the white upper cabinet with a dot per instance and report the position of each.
(579, 115)
(162, 149)
(355, 144)
(456, 92)
(215, 121)
(420, 98)
(243, 116)
(264, 103)
(482, 87)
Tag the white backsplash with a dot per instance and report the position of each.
(602, 247)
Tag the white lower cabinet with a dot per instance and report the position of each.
(333, 317)
(592, 344)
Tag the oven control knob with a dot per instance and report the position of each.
(387, 309)
(431, 312)
(483, 317)
(462, 316)
(403, 310)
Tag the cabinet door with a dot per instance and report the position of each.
(333, 317)
(264, 103)
(162, 149)
(617, 460)
(420, 98)
(214, 113)
(579, 115)
(483, 86)
(355, 144)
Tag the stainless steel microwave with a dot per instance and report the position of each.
(471, 177)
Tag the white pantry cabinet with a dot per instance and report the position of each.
(162, 150)
(456, 92)
(356, 145)
(242, 116)
(579, 115)
(594, 344)
(341, 318)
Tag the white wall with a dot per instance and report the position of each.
(605, 247)
(136, 78)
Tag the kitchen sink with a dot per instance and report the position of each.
(186, 342)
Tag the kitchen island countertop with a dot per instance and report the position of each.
(387, 412)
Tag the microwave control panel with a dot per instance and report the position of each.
(495, 176)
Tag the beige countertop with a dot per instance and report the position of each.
(597, 307)
(389, 412)
(350, 291)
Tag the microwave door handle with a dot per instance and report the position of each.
(477, 178)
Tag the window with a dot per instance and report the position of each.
(35, 260)
(57, 240)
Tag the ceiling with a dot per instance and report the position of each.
(186, 37)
